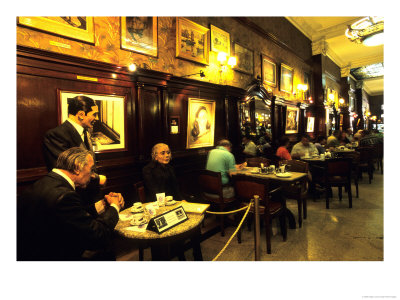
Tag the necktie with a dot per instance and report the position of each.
(86, 140)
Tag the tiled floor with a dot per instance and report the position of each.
(335, 234)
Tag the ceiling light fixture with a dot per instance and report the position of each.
(367, 31)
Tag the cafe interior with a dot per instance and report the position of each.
(259, 78)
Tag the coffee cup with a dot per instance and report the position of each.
(137, 205)
(161, 199)
(138, 218)
(282, 169)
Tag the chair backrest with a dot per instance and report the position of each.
(257, 161)
(140, 191)
(339, 167)
(246, 187)
(210, 182)
(297, 166)
(367, 154)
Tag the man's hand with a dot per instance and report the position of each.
(115, 198)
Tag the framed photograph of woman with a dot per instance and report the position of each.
(220, 40)
(109, 131)
(245, 59)
(191, 41)
(286, 79)
(139, 34)
(268, 71)
(292, 120)
(201, 123)
(76, 28)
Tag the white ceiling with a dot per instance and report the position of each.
(327, 35)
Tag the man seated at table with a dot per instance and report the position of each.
(304, 148)
(222, 160)
(368, 139)
(52, 223)
(320, 142)
(333, 139)
(250, 149)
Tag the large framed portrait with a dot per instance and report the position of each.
(245, 59)
(310, 124)
(191, 41)
(286, 82)
(201, 123)
(292, 120)
(139, 34)
(109, 132)
(76, 28)
(220, 40)
(268, 71)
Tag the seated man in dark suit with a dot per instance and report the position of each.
(74, 132)
(52, 223)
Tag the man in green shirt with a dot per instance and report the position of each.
(222, 160)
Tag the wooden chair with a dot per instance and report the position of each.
(298, 190)
(366, 162)
(337, 173)
(355, 161)
(140, 191)
(379, 158)
(212, 191)
(257, 161)
(272, 204)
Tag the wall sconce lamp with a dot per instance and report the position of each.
(201, 73)
(224, 60)
(132, 67)
(302, 88)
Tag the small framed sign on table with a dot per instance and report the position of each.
(168, 220)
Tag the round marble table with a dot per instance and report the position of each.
(161, 243)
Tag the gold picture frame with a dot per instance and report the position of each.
(76, 28)
(109, 132)
(245, 59)
(268, 71)
(292, 120)
(139, 34)
(286, 82)
(310, 124)
(191, 41)
(220, 40)
(201, 123)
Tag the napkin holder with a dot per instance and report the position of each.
(167, 220)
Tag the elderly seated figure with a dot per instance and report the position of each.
(304, 148)
(159, 175)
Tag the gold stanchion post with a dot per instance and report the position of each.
(257, 227)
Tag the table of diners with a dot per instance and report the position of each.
(160, 243)
(294, 176)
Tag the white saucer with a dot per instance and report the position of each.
(137, 223)
(168, 203)
(136, 210)
(284, 175)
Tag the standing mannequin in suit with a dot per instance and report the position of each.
(52, 224)
(82, 114)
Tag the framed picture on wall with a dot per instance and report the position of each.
(292, 120)
(268, 71)
(286, 82)
(77, 28)
(139, 34)
(191, 41)
(201, 123)
(109, 131)
(174, 125)
(310, 124)
(245, 59)
(220, 40)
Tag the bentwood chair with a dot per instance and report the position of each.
(212, 191)
(272, 204)
(366, 163)
(298, 190)
(140, 191)
(257, 161)
(337, 173)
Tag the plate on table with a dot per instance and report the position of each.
(137, 210)
(168, 203)
(284, 175)
(138, 222)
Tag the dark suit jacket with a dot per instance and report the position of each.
(52, 224)
(59, 139)
(159, 178)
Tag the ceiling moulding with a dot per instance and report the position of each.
(365, 61)
(322, 47)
